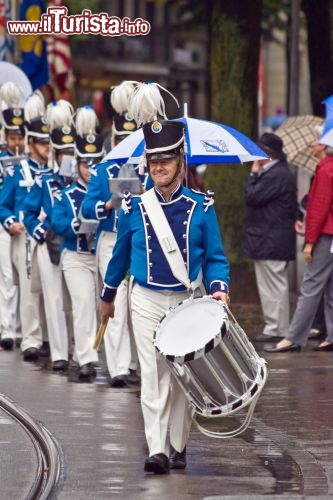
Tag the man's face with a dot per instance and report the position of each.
(15, 143)
(84, 171)
(163, 171)
(39, 151)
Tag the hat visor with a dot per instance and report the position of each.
(42, 140)
(162, 156)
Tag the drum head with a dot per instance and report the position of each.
(191, 329)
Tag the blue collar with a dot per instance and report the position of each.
(175, 194)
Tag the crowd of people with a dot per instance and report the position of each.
(68, 247)
(273, 218)
(71, 258)
(49, 272)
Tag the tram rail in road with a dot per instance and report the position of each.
(49, 462)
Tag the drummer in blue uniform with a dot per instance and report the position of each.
(194, 224)
(78, 260)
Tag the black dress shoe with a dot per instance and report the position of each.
(133, 378)
(326, 348)
(119, 381)
(158, 464)
(31, 354)
(18, 342)
(316, 334)
(7, 344)
(177, 459)
(44, 350)
(289, 348)
(87, 370)
(263, 337)
(60, 365)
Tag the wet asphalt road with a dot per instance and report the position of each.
(287, 450)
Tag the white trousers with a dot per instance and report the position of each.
(273, 288)
(8, 290)
(80, 276)
(51, 282)
(118, 349)
(29, 302)
(164, 404)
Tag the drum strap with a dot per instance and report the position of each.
(168, 241)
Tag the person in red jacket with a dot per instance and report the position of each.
(318, 254)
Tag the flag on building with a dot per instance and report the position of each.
(6, 40)
(60, 62)
(33, 47)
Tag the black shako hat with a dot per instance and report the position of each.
(38, 129)
(163, 137)
(123, 124)
(90, 145)
(272, 144)
(63, 137)
(13, 119)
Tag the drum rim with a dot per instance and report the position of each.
(210, 345)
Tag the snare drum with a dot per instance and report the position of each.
(212, 359)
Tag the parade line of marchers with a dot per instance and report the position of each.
(56, 21)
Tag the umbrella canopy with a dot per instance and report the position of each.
(327, 135)
(297, 133)
(205, 142)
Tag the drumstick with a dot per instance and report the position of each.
(99, 336)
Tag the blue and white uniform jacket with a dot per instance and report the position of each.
(3, 154)
(2, 175)
(99, 193)
(65, 219)
(193, 221)
(39, 200)
(13, 193)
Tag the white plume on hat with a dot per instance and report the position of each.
(59, 113)
(147, 103)
(145, 106)
(121, 95)
(86, 120)
(34, 106)
(10, 95)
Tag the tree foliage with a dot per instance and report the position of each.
(318, 15)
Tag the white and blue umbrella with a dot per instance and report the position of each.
(205, 142)
(327, 134)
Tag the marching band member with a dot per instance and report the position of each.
(37, 216)
(18, 182)
(12, 132)
(120, 352)
(78, 260)
(194, 224)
